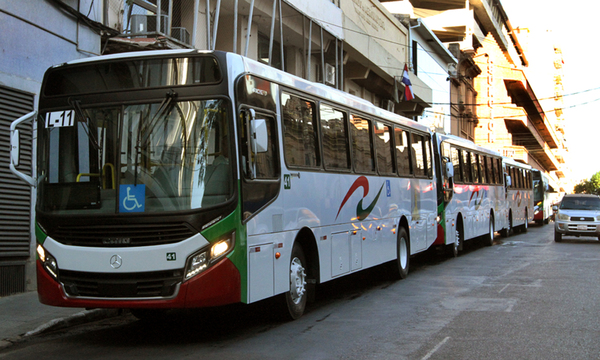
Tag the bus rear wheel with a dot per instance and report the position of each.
(489, 237)
(296, 297)
(526, 225)
(400, 266)
(507, 232)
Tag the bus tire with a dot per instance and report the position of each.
(296, 297)
(526, 225)
(402, 262)
(507, 232)
(489, 237)
(452, 249)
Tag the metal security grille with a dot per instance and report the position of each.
(15, 195)
(12, 278)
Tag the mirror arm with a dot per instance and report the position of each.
(14, 148)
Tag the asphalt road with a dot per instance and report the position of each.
(526, 297)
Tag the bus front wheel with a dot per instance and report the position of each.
(296, 297)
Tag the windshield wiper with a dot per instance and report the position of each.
(165, 107)
(86, 120)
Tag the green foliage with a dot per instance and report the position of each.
(591, 186)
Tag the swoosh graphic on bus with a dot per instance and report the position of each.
(519, 198)
(478, 199)
(476, 194)
(361, 213)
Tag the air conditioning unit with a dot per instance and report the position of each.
(330, 74)
(388, 105)
(181, 34)
(145, 24)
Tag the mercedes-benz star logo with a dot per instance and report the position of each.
(116, 261)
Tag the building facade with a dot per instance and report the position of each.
(35, 36)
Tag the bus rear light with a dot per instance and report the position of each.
(48, 261)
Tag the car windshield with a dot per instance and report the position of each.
(580, 203)
(167, 156)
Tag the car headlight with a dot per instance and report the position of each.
(598, 218)
(563, 217)
(48, 261)
(206, 257)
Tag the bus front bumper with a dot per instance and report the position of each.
(218, 285)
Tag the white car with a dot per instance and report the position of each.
(577, 215)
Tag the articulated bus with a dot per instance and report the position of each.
(519, 196)
(179, 179)
(544, 197)
(472, 192)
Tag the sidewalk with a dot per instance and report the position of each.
(23, 315)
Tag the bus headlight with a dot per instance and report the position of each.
(48, 261)
(204, 258)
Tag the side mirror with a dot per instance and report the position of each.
(259, 138)
(449, 170)
(554, 207)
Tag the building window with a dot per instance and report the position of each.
(263, 51)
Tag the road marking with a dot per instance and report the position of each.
(504, 288)
(436, 348)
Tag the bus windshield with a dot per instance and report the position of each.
(538, 191)
(167, 156)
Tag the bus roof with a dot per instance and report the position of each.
(246, 65)
(452, 139)
(513, 162)
(135, 54)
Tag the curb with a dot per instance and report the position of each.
(79, 318)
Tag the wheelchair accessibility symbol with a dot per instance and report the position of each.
(132, 198)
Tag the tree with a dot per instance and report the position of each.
(591, 186)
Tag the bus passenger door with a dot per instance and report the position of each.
(418, 224)
(430, 197)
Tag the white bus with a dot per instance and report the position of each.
(519, 196)
(473, 204)
(544, 196)
(172, 179)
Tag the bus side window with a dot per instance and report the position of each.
(466, 166)
(362, 151)
(499, 172)
(300, 132)
(419, 156)
(455, 158)
(334, 130)
(427, 151)
(475, 167)
(383, 147)
(513, 175)
(492, 170)
(483, 168)
(402, 152)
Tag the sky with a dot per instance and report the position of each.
(573, 24)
